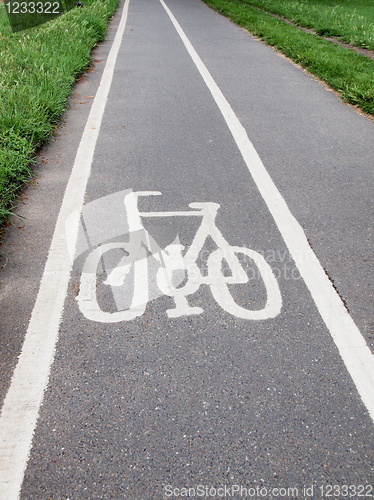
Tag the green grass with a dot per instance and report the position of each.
(348, 73)
(37, 70)
(351, 21)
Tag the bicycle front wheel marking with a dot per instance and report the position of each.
(220, 287)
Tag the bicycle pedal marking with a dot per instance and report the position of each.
(178, 275)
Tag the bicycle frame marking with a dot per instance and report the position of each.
(171, 261)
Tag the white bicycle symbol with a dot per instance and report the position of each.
(172, 260)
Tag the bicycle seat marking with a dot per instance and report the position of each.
(173, 262)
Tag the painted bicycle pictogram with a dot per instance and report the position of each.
(172, 260)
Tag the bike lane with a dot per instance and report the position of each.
(208, 399)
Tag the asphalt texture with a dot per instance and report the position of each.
(141, 409)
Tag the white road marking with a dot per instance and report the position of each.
(173, 264)
(24, 397)
(347, 337)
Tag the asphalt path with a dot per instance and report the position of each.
(198, 382)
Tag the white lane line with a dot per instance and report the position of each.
(347, 337)
(24, 397)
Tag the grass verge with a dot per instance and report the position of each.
(351, 22)
(37, 70)
(350, 74)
